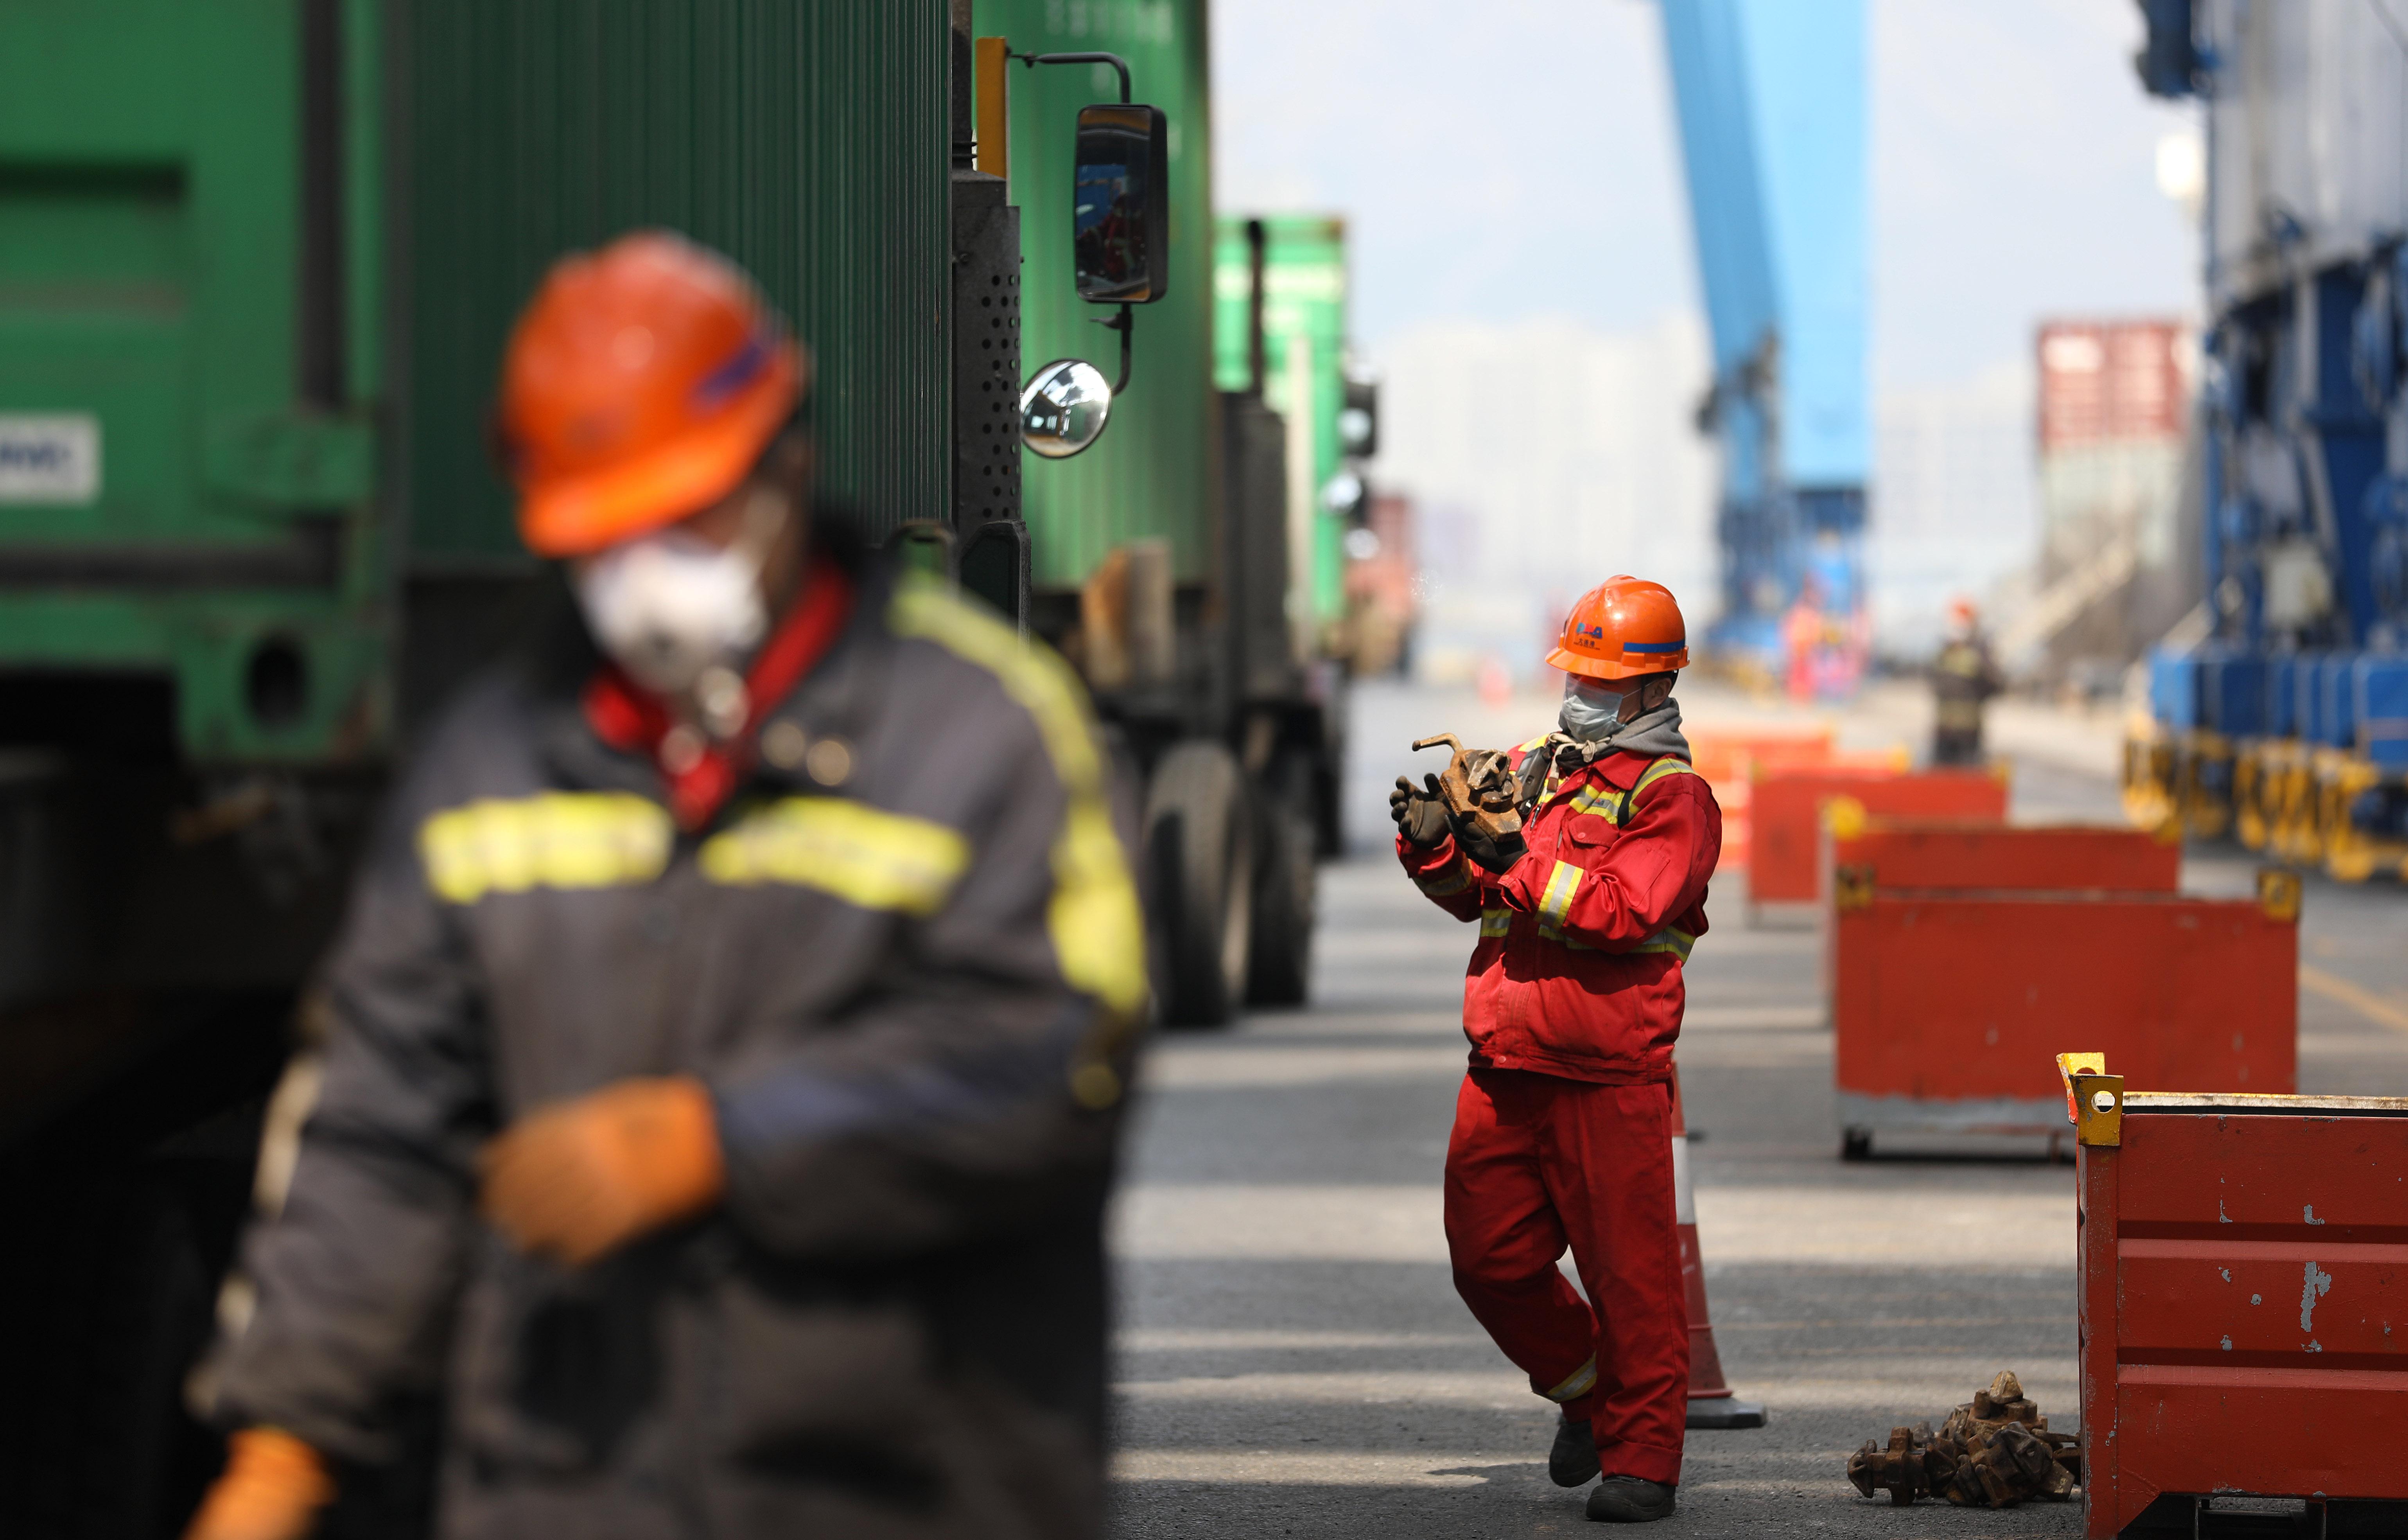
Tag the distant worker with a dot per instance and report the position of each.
(1963, 680)
(730, 1023)
(1802, 629)
(1563, 1126)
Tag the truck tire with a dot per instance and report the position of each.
(1286, 877)
(111, 1309)
(1199, 853)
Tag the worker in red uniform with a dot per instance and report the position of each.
(730, 1025)
(1563, 1127)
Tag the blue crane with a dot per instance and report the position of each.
(1770, 98)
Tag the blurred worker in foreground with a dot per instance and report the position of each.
(1963, 680)
(731, 1021)
(1563, 1127)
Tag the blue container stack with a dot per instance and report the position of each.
(2173, 688)
(2380, 697)
(2282, 697)
(2334, 707)
(2232, 693)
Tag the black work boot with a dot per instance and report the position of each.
(1572, 1462)
(1629, 1500)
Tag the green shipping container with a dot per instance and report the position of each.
(1304, 306)
(1154, 471)
(257, 262)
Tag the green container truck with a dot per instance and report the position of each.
(257, 262)
(1160, 556)
(1302, 322)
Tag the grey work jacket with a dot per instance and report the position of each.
(911, 993)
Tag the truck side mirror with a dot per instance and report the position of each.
(1119, 205)
(1064, 407)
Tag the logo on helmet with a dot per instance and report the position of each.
(715, 388)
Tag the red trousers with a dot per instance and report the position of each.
(1538, 1164)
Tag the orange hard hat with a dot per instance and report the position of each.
(1623, 628)
(642, 383)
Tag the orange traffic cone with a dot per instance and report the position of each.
(1712, 1404)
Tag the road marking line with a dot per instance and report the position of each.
(2365, 1002)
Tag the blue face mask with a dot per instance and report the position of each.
(1592, 711)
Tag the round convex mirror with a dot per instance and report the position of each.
(1063, 408)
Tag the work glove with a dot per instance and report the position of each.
(578, 1180)
(272, 1489)
(1497, 852)
(1419, 814)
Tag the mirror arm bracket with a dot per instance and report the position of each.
(1124, 324)
(1033, 60)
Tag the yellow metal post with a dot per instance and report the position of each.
(2094, 1099)
(992, 106)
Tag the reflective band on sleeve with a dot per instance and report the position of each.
(1678, 942)
(1452, 878)
(1578, 1384)
(1556, 901)
(1494, 922)
(557, 840)
(1098, 936)
(864, 855)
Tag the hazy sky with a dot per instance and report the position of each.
(1516, 158)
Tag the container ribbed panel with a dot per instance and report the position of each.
(806, 140)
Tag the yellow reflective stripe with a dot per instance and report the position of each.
(1601, 802)
(1450, 879)
(1494, 922)
(1098, 936)
(864, 855)
(1556, 901)
(560, 839)
(1098, 933)
(1532, 745)
(1579, 1383)
(1678, 942)
(1661, 769)
(1675, 942)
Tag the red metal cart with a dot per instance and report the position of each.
(1946, 1007)
(1729, 756)
(2243, 1304)
(1786, 858)
(1955, 853)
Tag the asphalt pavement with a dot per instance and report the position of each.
(1292, 1360)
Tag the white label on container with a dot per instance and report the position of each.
(50, 457)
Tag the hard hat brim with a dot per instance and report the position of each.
(576, 516)
(1588, 667)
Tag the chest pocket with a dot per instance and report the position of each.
(1594, 815)
(1589, 830)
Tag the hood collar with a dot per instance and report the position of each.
(1651, 735)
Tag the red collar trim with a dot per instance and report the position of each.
(633, 720)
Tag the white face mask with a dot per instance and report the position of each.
(670, 607)
(1592, 711)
